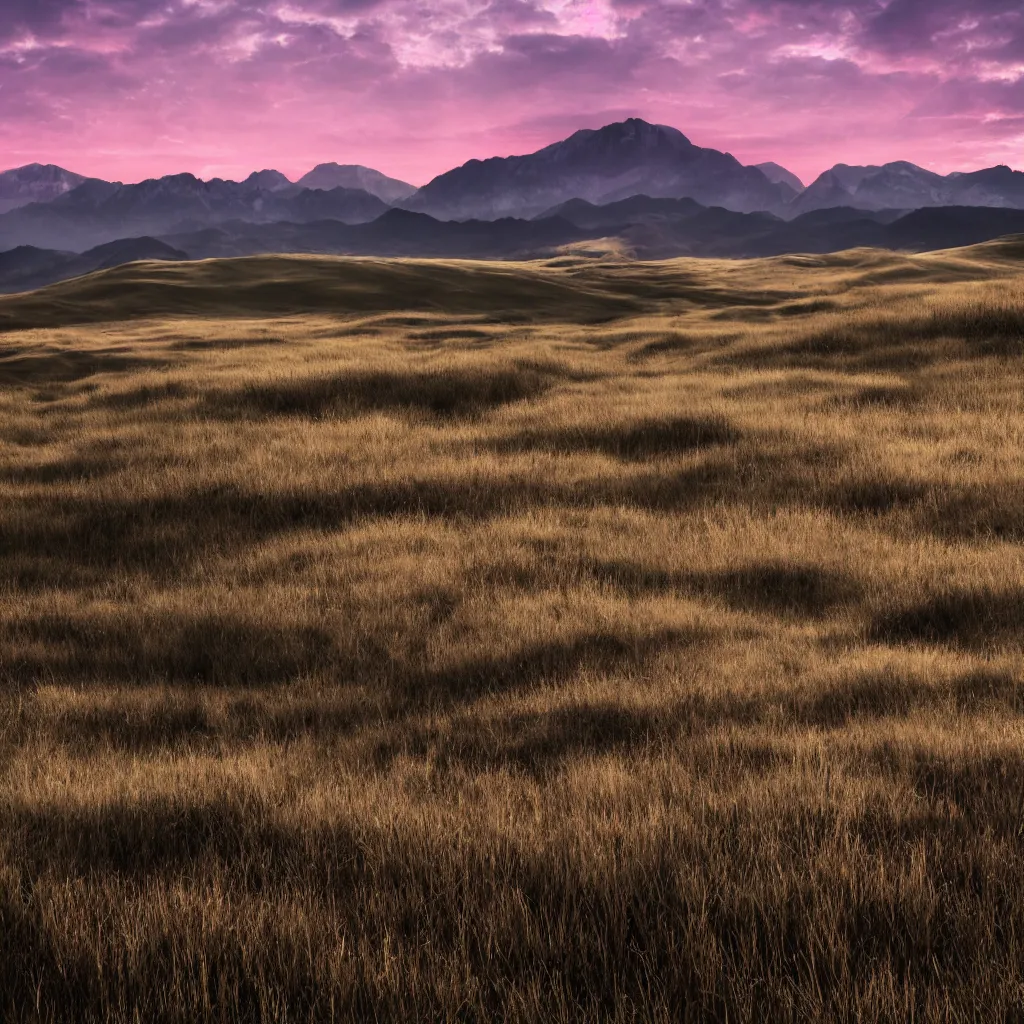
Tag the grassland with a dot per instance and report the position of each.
(584, 640)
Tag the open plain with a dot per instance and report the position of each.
(570, 640)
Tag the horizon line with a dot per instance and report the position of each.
(206, 176)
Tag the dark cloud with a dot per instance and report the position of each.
(907, 26)
(33, 17)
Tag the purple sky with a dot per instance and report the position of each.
(129, 89)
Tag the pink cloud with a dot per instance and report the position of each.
(132, 88)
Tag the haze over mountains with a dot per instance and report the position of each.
(903, 185)
(646, 186)
(331, 176)
(98, 211)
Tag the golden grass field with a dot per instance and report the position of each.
(572, 641)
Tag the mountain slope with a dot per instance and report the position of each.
(615, 162)
(903, 185)
(271, 181)
(35, 183)
(777, 174)
(993, 186)
(331, 176)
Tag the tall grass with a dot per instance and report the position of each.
(581, 641)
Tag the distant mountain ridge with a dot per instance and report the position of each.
(97, 211)
(903, 185)
(614, 162)
(271, 181)
(644, 227)
(631, 157)
(395, 233)
(35, 183)
(645, 184)
(331, 176)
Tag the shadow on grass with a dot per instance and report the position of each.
(888, 694)
(547, 662)
(132, 839)
(73, 469)
(976, 511)
(538, 743)
(674, 342)
(902, 396)
(806, 308)
(957, 511)
(401, 690)
(966, 796)
(160, 533)
(214, 650)
(647, 439)
(975, 620)
(116, 644)
(417, 711)
(778, 588)
(226, 343)
(899, 343)
(436, 337)
(37, 366)
(775, 587)
(184, 721)
(806, 591)
(450, 393)
(264, 906)
(876, 495)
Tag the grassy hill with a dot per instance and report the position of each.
(574, 640)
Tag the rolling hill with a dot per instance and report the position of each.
(575, 640)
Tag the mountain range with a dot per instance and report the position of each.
(646, 185)
(327, 177)
(902, 185)
(98, 211)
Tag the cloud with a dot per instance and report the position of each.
(129, 88)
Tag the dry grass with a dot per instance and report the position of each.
(580, 641)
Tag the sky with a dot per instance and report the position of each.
(130, 89)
